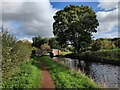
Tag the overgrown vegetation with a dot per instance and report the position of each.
(14, 53)
(64, 77)
(18, 70)
(27, 77)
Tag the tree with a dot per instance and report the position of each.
(96, 45)
(46, 47)
(102, 44)
(107, 44)
(38, 41)
(53, 43)
(116, 41)
(74, 26)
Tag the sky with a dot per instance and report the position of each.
(35, 18)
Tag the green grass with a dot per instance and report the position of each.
(28, 77)
(65, 52)
(66, 78)
(112, 55)
(115, 49)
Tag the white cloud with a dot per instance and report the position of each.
(35, 18)
(104, 4)
(108, 19)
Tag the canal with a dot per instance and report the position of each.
(106, 75)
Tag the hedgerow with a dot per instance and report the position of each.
(18, 70)
(14, 53)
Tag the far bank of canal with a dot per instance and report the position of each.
(106, 75)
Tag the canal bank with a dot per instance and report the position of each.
(106, 75)
(107, 57)
(65, 78)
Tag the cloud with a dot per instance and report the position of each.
(29, 18)
(108, 5)
(108, 19)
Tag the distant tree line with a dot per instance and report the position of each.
(95, 45)
(45, 43)
(105, 43)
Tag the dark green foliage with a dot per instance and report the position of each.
(54, 44)
(116, 41)
(112, 55)
(64, 77)
(96, 45)
(38, 41)
(42, 44)
(74, 25)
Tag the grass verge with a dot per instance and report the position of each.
(28, 76)
(112, 55)
(105, 56)
(66, 78)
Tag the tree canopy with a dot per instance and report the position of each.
(105, 43)
(38, 41)
(74, 26)
(53, 43)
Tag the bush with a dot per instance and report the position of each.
(14, 53)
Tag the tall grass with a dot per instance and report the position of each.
(27, 77)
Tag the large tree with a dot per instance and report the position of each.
(53, 43)
(38, 41)
(74, 25)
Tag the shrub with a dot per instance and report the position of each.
(14, 54)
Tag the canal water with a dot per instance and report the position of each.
(106, 75)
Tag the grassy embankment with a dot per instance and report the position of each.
(66, 78)
(28, 76)
(106, 56)
(112, 55)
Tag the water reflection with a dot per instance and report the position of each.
(106, 75)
